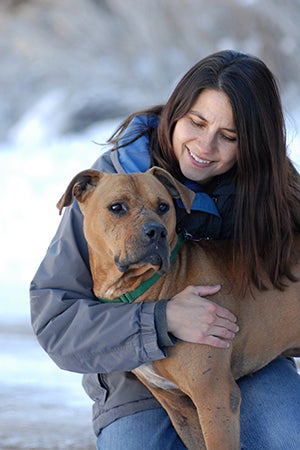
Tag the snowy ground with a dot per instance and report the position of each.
(42, 407)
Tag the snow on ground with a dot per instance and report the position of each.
(43, 407)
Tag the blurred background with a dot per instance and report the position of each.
(70, 71)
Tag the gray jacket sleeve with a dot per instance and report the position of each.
(79, 333)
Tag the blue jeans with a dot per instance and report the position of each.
(270, 417)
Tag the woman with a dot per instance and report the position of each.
(222, 134)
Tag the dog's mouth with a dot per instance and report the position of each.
(158, 259)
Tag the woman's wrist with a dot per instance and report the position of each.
(164, 338)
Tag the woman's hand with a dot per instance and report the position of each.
(192, 318)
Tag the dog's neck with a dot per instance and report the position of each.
(112, 285)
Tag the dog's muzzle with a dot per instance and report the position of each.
(150, 246)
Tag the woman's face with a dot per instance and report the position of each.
(205, 139)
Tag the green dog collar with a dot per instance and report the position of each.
(129, 297)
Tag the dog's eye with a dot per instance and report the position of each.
(163, 208)
(117, 208)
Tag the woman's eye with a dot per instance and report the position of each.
(163, 208)
(229, 138)
(197, 124)
(117, 208)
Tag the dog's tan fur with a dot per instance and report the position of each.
(124, 219)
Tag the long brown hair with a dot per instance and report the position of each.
(267, 209)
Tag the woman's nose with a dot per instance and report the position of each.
(206, 143)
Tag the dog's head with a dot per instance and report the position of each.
(129, 218)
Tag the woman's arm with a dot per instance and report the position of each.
(82, 335)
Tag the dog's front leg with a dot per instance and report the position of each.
(182, 414)
(203, 374)
(218, 407)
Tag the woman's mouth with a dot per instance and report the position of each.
(197, 159)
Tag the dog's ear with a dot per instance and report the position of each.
(80, 185)
(176, 189)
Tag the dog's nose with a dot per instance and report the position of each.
(154, 231)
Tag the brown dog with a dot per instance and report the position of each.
(129, 225)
